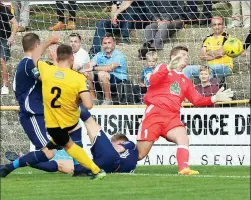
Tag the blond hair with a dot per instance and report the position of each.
(152, 54)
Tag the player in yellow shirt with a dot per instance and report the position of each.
(62, 87)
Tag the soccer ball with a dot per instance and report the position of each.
(233, 47)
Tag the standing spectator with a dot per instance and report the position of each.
(246, 44)
(110, 67)
(212, 51)
(72, 7)
(127, 11)
(22, 14)
(238, 19)
(194, 14)
(81, 57)
(6, 40)
(208, 87)
(167, 17)
(141, 89)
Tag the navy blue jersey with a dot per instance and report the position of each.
(28, 89)
(128, 158)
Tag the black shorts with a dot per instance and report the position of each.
(60, 136)
(113, 81)
(4, 49)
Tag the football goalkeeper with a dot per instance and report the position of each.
(168, 89)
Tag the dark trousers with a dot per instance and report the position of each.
(193, 9)
(61, 8)
(138, 93)
(124, 27)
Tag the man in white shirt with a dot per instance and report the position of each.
(81, 57)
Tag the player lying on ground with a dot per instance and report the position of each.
(120, 155)
(168, 89)
(61, 114)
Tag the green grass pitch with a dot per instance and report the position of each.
(148, 182)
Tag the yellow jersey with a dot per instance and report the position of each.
(61, 88)
(211, 43)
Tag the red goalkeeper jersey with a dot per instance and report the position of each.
(168, 89)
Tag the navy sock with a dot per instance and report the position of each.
(78, 168)
(50, 166)
(28, 159)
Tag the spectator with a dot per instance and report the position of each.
(141, 89)
(167, 17)
(127, 11)
(22, 14)
(238, 19)
(81, 57)
(6, 40)
(208, 87)
(206, 15)
(72, 7)
(212, 51)
(110, 68)
(246, 44)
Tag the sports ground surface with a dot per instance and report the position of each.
(148, 182)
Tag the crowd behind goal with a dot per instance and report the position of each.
(113, 81)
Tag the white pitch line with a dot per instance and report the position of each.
(159, 175)
(176, 175)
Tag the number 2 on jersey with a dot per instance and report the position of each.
(56, 90)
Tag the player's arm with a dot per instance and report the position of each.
(118, 148)
(84, 93)
(53, 39)
(198, 100)
(158, 74)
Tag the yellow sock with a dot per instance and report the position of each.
(83, 159)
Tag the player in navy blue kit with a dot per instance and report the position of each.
(116, 156)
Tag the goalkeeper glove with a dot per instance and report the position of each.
(175, 63)
(222, 95)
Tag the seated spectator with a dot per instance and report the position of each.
(167, 17)
(127, 11)
(72, 7)
(240, 14)
(141, 89)
(7, 37)
(110, 68)
(212, 51)
(22, 13)
(81, 57)
(208, 87)
(194, 14)
(246, 44)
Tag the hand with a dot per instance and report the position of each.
(160, 23)
(88, 68)
(54, 38)
(223, 95)
(175, 62)
(10, 41)
(244, 53)
(114, 19)
(142, 85)
(53, 52)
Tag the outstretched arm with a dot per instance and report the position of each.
(53, 39)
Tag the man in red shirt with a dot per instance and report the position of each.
(168, 89)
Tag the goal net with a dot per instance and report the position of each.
(195, 26)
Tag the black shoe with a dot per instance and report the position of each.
(4, 171)
(99, 176)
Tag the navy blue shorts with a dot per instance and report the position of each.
(34, 127)
(104, 154)
(113, 81)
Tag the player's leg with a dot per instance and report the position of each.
(178, 135)
(149, 130)
(104, 154)
(62, 138)
(104, 81)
